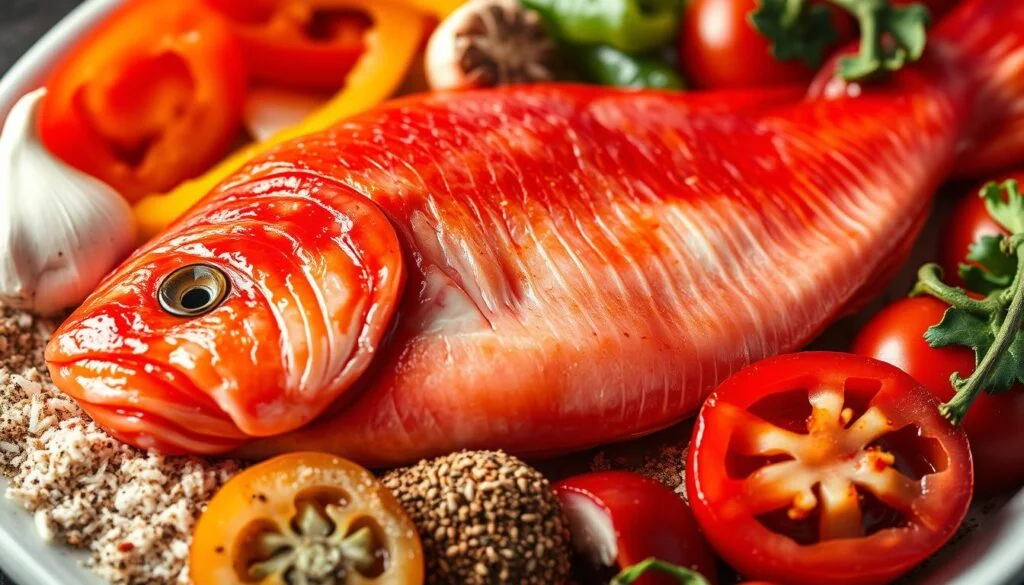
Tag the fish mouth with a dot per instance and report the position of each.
(147, 404)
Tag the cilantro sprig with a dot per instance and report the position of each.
(685, 576)
(891, 36)
(991, 326)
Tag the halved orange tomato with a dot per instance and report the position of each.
(308, 515)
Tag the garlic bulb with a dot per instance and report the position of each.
(489, 43)
(61, 230)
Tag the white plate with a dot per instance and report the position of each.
(993, 555)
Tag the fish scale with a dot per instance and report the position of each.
(539, 269)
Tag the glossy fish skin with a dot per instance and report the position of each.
(544, 269)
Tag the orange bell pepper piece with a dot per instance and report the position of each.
(390, 47)
(150, 97)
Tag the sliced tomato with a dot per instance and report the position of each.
(151, 97)
(618, 519)
(301, 44)
(277, 519)
(896, 336)
(826, 468)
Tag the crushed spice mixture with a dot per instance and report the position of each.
(133, 511)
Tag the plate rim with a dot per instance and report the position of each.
(990, 556)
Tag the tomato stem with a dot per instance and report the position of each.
(634, 572)
(929, 282)
(967, 390)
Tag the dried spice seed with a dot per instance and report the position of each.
(486, 539)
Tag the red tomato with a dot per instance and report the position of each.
(719, 48)
(824, 467)
(968, 222)
(622, 518)
(936, 8)
(302, 44)
(149, 98)
(896, 336)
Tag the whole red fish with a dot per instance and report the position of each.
(539, 269)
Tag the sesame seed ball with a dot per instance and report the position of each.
(485, 518)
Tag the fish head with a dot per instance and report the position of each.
(247, 318)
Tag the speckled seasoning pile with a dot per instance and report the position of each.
(484, 517)
(132, 511)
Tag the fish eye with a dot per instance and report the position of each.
(193, 290)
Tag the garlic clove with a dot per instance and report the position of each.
(269, 110)
(488, 43)
(61, 230)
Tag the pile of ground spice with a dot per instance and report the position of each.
(133, 511)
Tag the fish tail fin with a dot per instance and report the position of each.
(986, 40)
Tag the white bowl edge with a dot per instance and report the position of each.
(994, 555)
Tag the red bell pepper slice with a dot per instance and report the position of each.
(149, 98)
(301, 44)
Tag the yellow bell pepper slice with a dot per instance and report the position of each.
(391, 45)
(438, 8)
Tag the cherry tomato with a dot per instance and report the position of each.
(824, 467)
(151, 97)
(290, 512)
(622, 518)
(719, 48)
(968, 222)
(301, 44)
(896, 336)
(936, 8)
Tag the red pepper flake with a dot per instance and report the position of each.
(125, 546)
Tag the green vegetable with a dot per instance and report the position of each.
(631, 574)
(632, 26)
(990, 326)
(996, 270)
(796, 31)
(609, 66)
(891, 36)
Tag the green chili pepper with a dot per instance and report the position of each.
(609, 66)
(633, 26)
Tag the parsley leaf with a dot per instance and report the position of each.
(1005, 204)
(803, 34)
(996, 270)
(958, 327)
(892, 37)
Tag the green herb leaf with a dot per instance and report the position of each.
(1005, 204)
(891, 37)
(683, 575)
(993, 326)
(795, 30)
(996, 270)
(959, 327)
